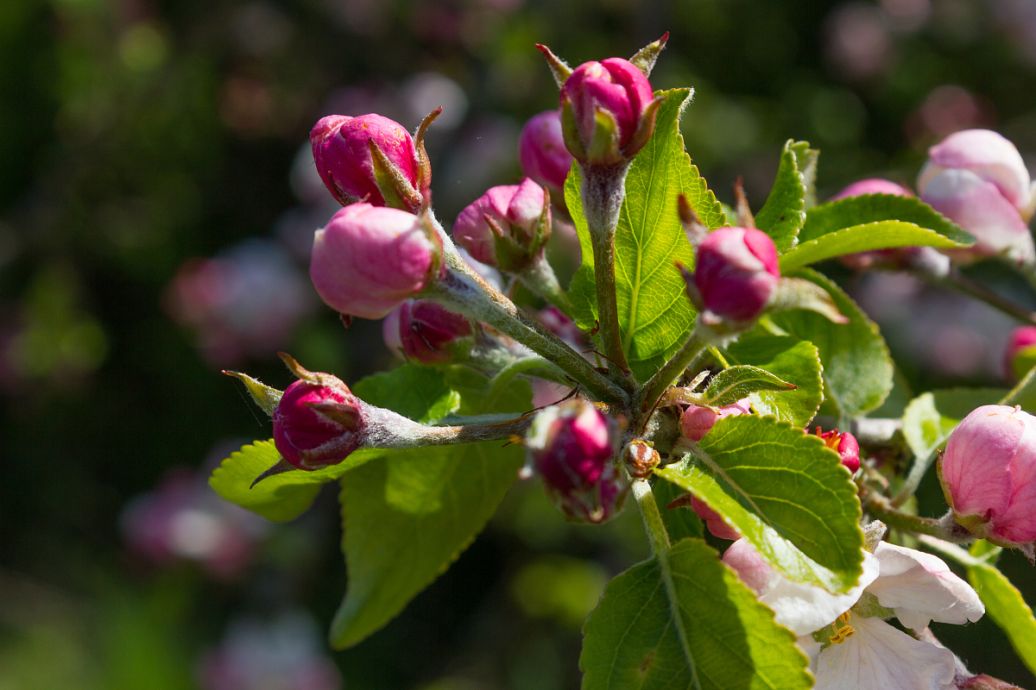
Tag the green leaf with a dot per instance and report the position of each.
(680, 521)
(737, 382)
(793, 360)
(860, 238)
(784, 491)
(857, 366)
(684, 620)
(408, 517)
(835, 216)
(1004, 604)
(930, 417)
(654, 312)
(420, 393)
(784, 212)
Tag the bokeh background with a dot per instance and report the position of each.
(157, 202)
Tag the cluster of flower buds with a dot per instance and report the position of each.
(426, 332)
(506, 227)
(988, 474)
(735, 276)
(369, 158)
(978, 179)
(607, 111)
(572, 447)
(542, 152)
(843, 443)
(1020, 355)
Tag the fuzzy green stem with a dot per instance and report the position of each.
(540, 278)
(653, 524)
(603, 192)
(943, 528)
(656, 386)
(465, 291)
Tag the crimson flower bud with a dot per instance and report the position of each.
(572, 447)
(367, 260)
(697, 420)
(977, 179)
(1021, 352)
(317, 422)
(424, 331)
(542, 152)
(843, 443)
(713, 521)
(507, 226)
(607, 111)
(367, 158)
(736, 273)
(988, 474)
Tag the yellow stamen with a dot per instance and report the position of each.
(844, 631)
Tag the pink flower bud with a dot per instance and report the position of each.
(979, 207)
(424, 331)
(872, 185)
(572, 447)
(606, 111)
(990, 157)
(317, 424)
(506, 227)
(1021, 352)
(367, 260)
(843, 443)
(736, 273)
(343, 156)
(698, 420)
(542, 152)
(988, 474)
(713, 521)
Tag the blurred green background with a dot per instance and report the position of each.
(156, 204)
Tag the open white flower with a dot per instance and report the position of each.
(844, 634)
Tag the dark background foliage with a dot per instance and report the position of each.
(139, 135)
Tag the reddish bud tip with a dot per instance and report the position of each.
(309, 438)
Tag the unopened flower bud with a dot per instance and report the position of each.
(572, 447)
(978, 180)
(896, 257)
(367, 158)
(872, 185)
(988, 474)
(713, 522)
(317, 422)
(697, 420)
(843, 443)
(506, 227)
(607, 111)
(736, 273)
(1020, 355)
(424, 331)
(542, 152)
(367, 260)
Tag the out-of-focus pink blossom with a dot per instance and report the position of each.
(988, 474)
(1022, 342)
(542, 152)
(872, 185)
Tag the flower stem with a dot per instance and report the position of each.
(943, 528)
(539, 277)
(957, 281)
(656, 386)
(603, 191)
(466, 291)
(653, 524)
(387, 429)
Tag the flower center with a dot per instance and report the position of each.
(843, 631)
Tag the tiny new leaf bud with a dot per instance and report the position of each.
(608, 111)
(426, 332)
(367, 158)
(640, 458)
(736, 274)
(843, 443)
(988, 474)
(506, 227)
(266, 397)
(572, 447)
(1020, 355)
(367, 260)
(317, 424)
(542, 152)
